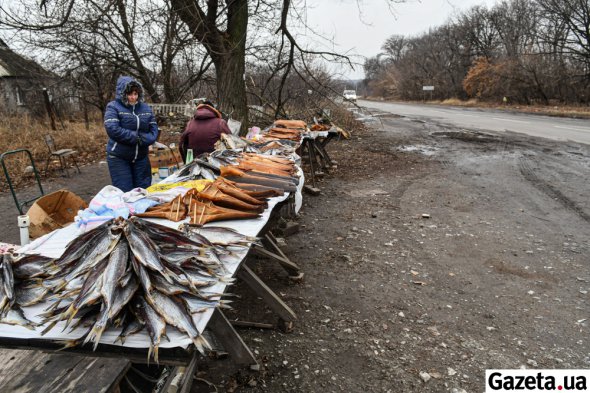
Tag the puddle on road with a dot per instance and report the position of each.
(367, 119)
(366, 193)
(422, 149)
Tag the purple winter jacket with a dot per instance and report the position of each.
(202, 131)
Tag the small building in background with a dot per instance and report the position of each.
(22, 82)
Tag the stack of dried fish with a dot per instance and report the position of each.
(19, 286)
(286, 130)
(206, 207)
(229, 141)
(220, 236)
(255, 191)
(133, 274)
(175, 210)
(285, 183)
(294, 124)
(219, 200)
(197, 169)
(274, 147)
(266, 164)
(283, 133)
(224, 196)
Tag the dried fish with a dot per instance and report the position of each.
(132, 278)
(220, 235)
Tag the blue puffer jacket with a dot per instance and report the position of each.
(131, 128)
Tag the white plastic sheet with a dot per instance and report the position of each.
(54, 244)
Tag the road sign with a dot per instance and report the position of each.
(428, 88)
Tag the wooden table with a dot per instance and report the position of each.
(37, 372)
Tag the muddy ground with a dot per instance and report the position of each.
(392, 301)
(431, 255)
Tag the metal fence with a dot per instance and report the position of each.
(165, 109)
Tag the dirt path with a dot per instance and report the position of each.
(497, 277)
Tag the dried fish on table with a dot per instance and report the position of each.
(275, 169)
(174, 210)
(229, 141)
(269, 159)
(231, 189)
(286, 123)
(129, 279)
(20, 287)
(255, 191)
(201, 213)
(220, 235)
(214, 194)
(274, 147)
(197, 169)
(232, 173)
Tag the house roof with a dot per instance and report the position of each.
(15, 65)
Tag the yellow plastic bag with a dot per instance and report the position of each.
(198, 184)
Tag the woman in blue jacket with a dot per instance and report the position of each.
(132, 128)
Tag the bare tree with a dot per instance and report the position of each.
(526, 50)
(141, 38)
(574, 15)
(479, 33)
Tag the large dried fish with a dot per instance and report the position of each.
(176, 314)
(131, 278)
(220, 235)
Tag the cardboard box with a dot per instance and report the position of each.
(53, 211)
(164, 161)
(164, 158)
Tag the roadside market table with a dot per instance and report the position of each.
(175, 351)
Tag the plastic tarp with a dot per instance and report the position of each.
(54, 244)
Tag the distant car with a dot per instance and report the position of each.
(350, 95)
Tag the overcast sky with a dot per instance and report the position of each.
(360, 27)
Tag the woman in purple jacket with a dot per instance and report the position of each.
(202, 131)
(132, 128)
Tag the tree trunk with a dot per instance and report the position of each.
(231, 88)
(226, 48)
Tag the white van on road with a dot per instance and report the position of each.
(350, 95)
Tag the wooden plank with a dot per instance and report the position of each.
(189, 374)
(37, 372)
(167, 356)
(289, 266)
(231, 340)
(267, 295)
(255, 325)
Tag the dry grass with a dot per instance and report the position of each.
(26, 133)
(576, 111)
(345, 119)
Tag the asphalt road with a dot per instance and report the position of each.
(562, 129)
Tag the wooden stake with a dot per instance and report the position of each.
(201, 217)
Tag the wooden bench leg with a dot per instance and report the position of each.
(62, 163)
(47, 165)
(76, 163)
